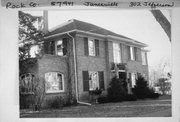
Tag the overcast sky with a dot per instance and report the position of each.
(136, 24)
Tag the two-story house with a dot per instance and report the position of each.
(79, 57)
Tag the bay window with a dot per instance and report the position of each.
(54, 82)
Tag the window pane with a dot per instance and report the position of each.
(59, 48)
(133, 79)
(93, 81)
(117, 52)
(91, 47)
(54, 82)
(132, 53)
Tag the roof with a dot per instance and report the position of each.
(74, 24)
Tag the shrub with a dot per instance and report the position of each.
(131, 97)
(141, 89)
(26, 100)
(103, 100)
(56, 102)
(116, 92)
(154, 95)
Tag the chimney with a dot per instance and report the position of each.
(45, 21)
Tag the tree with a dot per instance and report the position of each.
(29, 34)
(141, 89)
(116, 91)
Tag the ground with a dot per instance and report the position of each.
(142, 108)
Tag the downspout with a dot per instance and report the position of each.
(75, 69)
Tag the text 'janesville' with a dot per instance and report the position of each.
(100, 4)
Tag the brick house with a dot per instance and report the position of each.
(80, 57)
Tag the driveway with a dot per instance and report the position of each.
(140, 108)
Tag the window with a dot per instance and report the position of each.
(91, 47)
(133, 79)
(58, 47)
(144, 59)
(132, 53)
(26, 83)
(117, 53)
(93, 80)
(54, 82)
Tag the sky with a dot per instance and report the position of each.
(139, 25)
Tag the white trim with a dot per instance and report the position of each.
(118, 70)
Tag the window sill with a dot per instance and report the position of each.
(55, 92)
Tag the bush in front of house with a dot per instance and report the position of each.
(141, 89)
(130, 97)
(103, 99)
(55, 103)
(116, 91)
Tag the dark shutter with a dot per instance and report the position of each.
(101, 79)
(135, 54)
(128, 52)
(52, 48)
(97, 47)
(65, 42)
(86, 51)
(46, 47)
(85, 80)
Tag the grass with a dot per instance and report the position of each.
(122, 109)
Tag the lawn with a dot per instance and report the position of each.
(145, 108)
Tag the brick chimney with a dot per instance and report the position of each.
(45, 21)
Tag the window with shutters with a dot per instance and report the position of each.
(132, 53)
(58, 47)
(54, 82)
(91, 46)
(93, 80)
(117, 53)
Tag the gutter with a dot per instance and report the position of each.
(75, 68)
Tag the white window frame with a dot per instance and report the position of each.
(144, 60)
(132, 56)
(92, 52)
(117, 52)
(56, 44)
(55, 91)
(92, 84)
